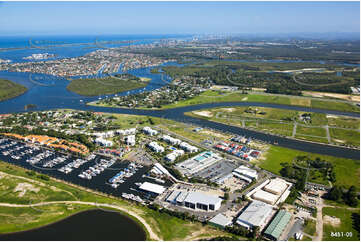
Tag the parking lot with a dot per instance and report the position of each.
(218, 170)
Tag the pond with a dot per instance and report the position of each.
(90, 225)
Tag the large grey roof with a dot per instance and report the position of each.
(220, 219)
(256, 213)
(197, 197)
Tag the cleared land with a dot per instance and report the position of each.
(9, 89)
(343, 130)
(338, 224)
(107, 85)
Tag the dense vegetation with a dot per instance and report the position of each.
(319, 170)
(9, 89)
(106, 85)
(272, 76)
(340, 194)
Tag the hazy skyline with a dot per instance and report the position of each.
(177, 17)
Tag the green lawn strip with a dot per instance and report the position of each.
(8, 185)
(337, 204)
(310, 228)
(301, 130)
(311, 138)
(107, 85)
(210, 96)
(341, 106)
(347, 170)
(19, 219)
(277, 128)
(9, 89)
(345, 136)
(344, 122)
(346, 225)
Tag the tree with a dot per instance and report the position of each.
(335, 193)
(351, 196)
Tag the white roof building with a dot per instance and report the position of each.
(171, 140)
(174, 155)
(256, 214)
(150, 131)
(187, 147)
(198, 162)
(202, 201)
(247, 172)
(220, 221)
(156, 147)
(103, 142)
(130, 140)
(153, 188)
(195, 200)
(265, 197)
(276, 186)
(126, 131)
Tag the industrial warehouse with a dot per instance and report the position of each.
(278, 225)
(257, 214)
(271, 191)
(195, 200)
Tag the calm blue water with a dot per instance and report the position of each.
(22, 46)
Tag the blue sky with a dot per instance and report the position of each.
(177, 17)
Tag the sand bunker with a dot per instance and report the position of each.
(24, 187)
(331, 220)
(229, 110)
(203, 113)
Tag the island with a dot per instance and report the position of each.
(9, 89)
(107, 85)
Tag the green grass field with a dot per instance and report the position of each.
(310, 228)
(301, 130)
(20, 219)
(281, 122)
(311, 138)
(211, 96)
(347, 170)
(103, 86)
(9, 89)
(343, 136)
(344, 122)
(344, 231)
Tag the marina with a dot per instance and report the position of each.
(94, 172)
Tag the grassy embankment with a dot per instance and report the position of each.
(107, 85)
(20, 219)
(9, 89)
(281, 122)
(347, 170)
(215, 96)
(345, 230)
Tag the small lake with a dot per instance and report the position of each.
(93, 225)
